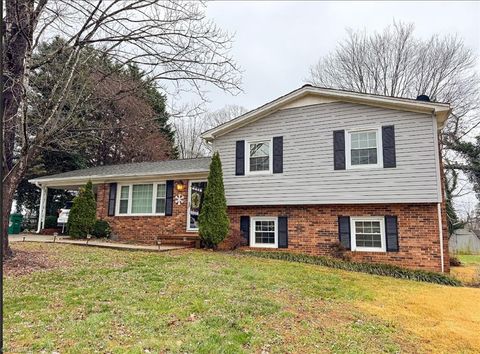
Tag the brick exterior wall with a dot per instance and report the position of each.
(145, 229)
(313, 229)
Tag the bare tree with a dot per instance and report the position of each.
(395, 63)
(171, 41)
(188, 128)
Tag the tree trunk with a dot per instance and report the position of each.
(8, 193)
(18, 35)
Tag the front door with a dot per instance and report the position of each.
(196, 191)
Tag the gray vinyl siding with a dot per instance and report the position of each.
(308, 176)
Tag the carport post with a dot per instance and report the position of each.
(43, 207)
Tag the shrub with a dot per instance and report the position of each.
(50, 222)
(101, 228)
(213, 218)
(455, 262)
(337, 250)
(83, 213)
(370, 268)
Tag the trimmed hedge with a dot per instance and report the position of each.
(50, 222)
(101, 228)
(370, 268)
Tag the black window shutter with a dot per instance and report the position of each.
(169, 198)
(344, 231)
(388, 144)
(278, 154)
(282, 232)
(112, 196)
(339, 149)
(240, 158)
(391, 233)
(245, 228)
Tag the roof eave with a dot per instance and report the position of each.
(113, 177)
(440, 110)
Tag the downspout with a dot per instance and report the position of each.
(440, 194)
(440, 234)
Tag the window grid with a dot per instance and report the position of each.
(368, 234)
(124, 190)
(265, 231)
(259, 156)
(363, 148)
(161, 197)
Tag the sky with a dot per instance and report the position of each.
(276, 42)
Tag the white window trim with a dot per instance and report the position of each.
(348, 150)
(130, 191)
(252, 232)
(383, 248)
(270, 157)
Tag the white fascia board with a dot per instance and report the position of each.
(69, 181)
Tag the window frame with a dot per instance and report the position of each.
(130, 193)
(348, 148)
(253, 220)
(119, 199)
(353, 235)
(270, 157)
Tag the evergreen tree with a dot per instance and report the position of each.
(82, 216)
(213, 219)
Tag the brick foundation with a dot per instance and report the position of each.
(145, 229)
(312, 229)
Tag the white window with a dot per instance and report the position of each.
(141, 199)
(264, 232)
(364, 148)
(123, 200)
(368, 234)
(259, 155)
(160, 198)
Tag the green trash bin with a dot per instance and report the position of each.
(15, 225)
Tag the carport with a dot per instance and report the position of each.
(44, 184)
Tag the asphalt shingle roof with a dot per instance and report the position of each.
(169, 167)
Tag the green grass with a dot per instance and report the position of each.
(469, 259)
(100, 300)
(369, 268)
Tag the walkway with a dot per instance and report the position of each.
(92, 242)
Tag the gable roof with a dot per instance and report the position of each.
(300, 97)
(139, 169)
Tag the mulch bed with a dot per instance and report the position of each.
(26, 262)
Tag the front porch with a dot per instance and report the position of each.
(144, 203)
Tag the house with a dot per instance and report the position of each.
(306, 172)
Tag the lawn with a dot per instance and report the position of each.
(469, 271)
(87, 300)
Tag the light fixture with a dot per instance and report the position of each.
(180, 186)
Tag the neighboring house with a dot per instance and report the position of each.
(308, 170)
(464, 241)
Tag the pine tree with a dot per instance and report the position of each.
(213, 219)
(82, 216)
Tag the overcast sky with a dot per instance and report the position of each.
(277, 42)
